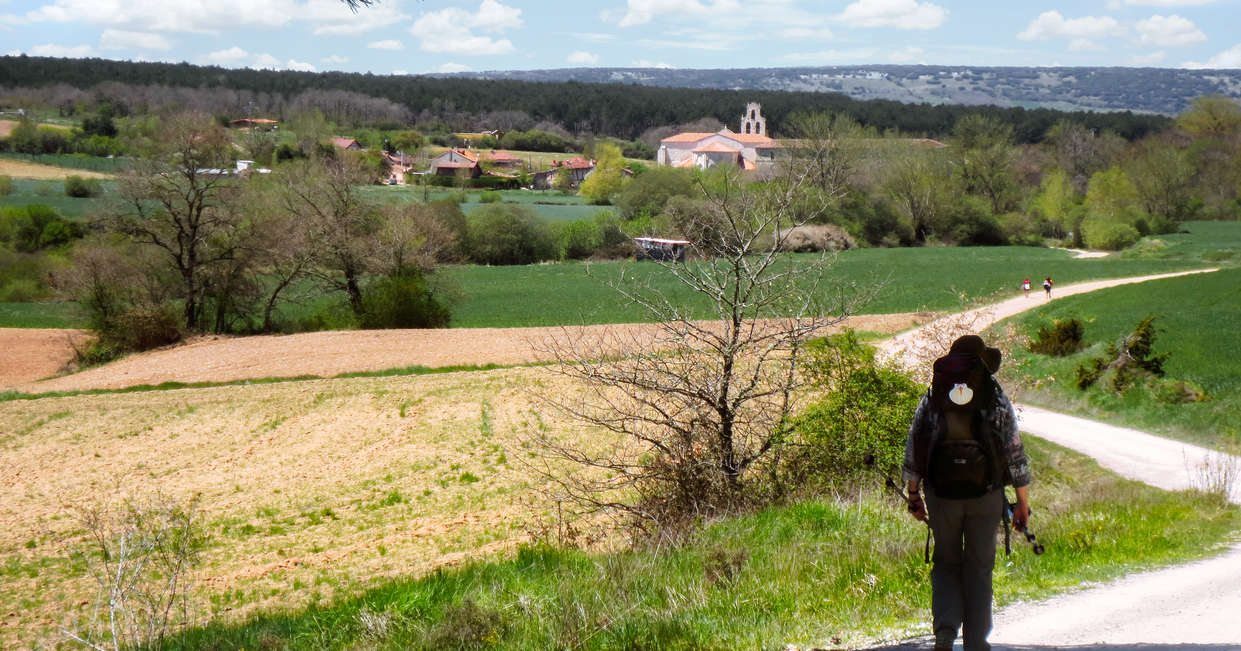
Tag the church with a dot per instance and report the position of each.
(748, 148)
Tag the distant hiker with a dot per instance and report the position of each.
(1047, 286)
(964, 446)
(1025, 286)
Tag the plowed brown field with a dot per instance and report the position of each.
(327, 354)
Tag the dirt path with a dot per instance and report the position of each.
(917, 348)
(327, 354)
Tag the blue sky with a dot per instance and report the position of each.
(418, 36)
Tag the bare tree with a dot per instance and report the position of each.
(701, 408)
(142, 556)
(342, 224)
(178, 200)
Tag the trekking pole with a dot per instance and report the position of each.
(891, 485)
(1030, 537)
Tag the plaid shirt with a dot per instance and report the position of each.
(926, 423)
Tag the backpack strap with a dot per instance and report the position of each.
(1008, 549)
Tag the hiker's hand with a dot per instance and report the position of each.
(1021, 515)
(916, 507)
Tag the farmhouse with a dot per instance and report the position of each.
(348, 144)
(502, 159)
(750, 149)
(450, 162)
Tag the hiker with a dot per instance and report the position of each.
(1047, 286)
(964, 446)
(1025, 286)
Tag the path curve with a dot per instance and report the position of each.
(917, 348)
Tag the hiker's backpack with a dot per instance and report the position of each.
(964, 468)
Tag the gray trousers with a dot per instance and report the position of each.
(964, 559)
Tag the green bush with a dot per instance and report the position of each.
(863, 413)
(402, 300)
(1062, 338)
(507, 234)
(1109, 236)
(6, 186)
(579, 239)
(489, 197)
(81, 188)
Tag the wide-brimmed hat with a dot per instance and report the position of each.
(991, 357)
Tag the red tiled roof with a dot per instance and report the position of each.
(687, 137)
(578, 163)
(457, 164)
(345, 143)
(715, 148)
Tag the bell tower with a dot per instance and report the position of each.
(753, 122)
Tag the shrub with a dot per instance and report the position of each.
(1177, 392)
(1125, 363)
(1109, 236)
(403, 300)
(863, 413)
(816, 237)
(1062, 338)
(489, 197)
(6, 186)
(580, 239)
(505, 234)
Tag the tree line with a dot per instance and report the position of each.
(619, 110)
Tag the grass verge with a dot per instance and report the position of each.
(6, 396)
(1199, 325)
(821, 572)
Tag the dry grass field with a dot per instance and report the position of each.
(23, 170)
(309, 488)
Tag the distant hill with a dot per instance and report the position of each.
(1152, 90)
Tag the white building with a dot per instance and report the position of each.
(749, 150)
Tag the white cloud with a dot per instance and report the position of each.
(1169, 31)
(452, 67)
(300, 66)
(389, 44)
(640, 12)
(230, 58)
(119, 39)
(1051, 24)
(265, 62)
(63, 51)
(583, 58)
(8, 21)
(1230, 58)
(453, 30)
(907, 54)
(1149, 59)
(334, 18)
(400, 72)
(201, 16)
(596, 37)
(335, 59)
(900, 14)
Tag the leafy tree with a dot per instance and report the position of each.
(1213, 116)
(1112, 196)
(562, 181)
(984, 156)
(1056, 202)
(608, 177)
(920, 186)
(1163, 178)
(408, 141)
(826, 149)
(647, 193)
